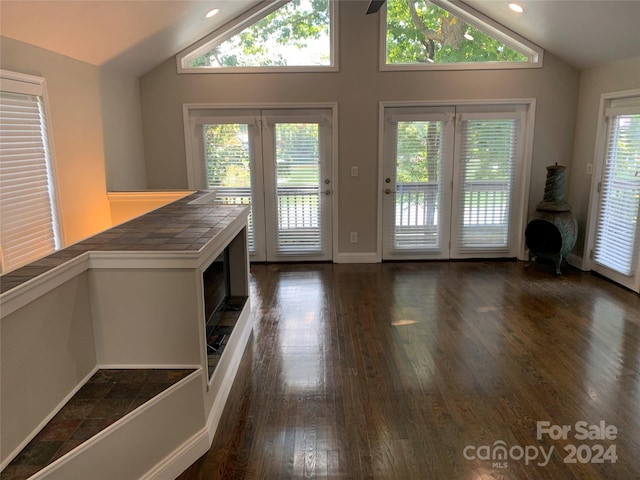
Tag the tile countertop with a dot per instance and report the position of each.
(179, 226)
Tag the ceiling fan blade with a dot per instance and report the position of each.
(374, 6)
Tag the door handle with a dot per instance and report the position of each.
(388, 191)
(327, 191)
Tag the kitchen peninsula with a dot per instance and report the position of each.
(132, 298)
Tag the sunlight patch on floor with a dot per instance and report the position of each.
(401, 322)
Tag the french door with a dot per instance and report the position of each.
(450, 181)
(279, 162)
(616, 239)
(417, 171)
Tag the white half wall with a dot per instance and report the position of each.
(47, 350)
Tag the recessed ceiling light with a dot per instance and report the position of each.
(211, 13)
(516, 8)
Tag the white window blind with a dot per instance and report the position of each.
(227, 150)
(418, 195)
(616, 241)
(28, 220)
(486, 175)
(298, 183)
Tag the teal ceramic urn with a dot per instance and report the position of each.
(552, 229)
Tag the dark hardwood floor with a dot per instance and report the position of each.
(425, 370)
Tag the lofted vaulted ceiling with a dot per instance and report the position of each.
(137, 35)
(583, 33)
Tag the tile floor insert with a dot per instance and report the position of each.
(107, 396)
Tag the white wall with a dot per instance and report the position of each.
(96, 130)
(145, 317)
(128, 205)
(617, 76)
(122, 126)
(357, 88)
(47, 350)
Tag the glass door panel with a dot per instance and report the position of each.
(297, 184)
(228, 160)
(417, 173)
(616, 247)
(484, 178)
(232, 155)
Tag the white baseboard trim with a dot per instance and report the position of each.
(47, 419)
(367, 257)
(181, 458)
(577, 261)
(156, 366)
(222, 380)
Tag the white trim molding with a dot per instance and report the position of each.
(148, 196)
(358, 257)
(479, 21)
(245, 20)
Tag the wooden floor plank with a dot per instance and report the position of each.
(391, 370)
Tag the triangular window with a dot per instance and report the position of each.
(422, 34)
(286, 35)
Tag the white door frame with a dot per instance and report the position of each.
(270, 119)
(521, 214)
(599, 157)
(445, 115)
(192, 110)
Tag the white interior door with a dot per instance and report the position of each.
(616, 245)
(279, 162)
